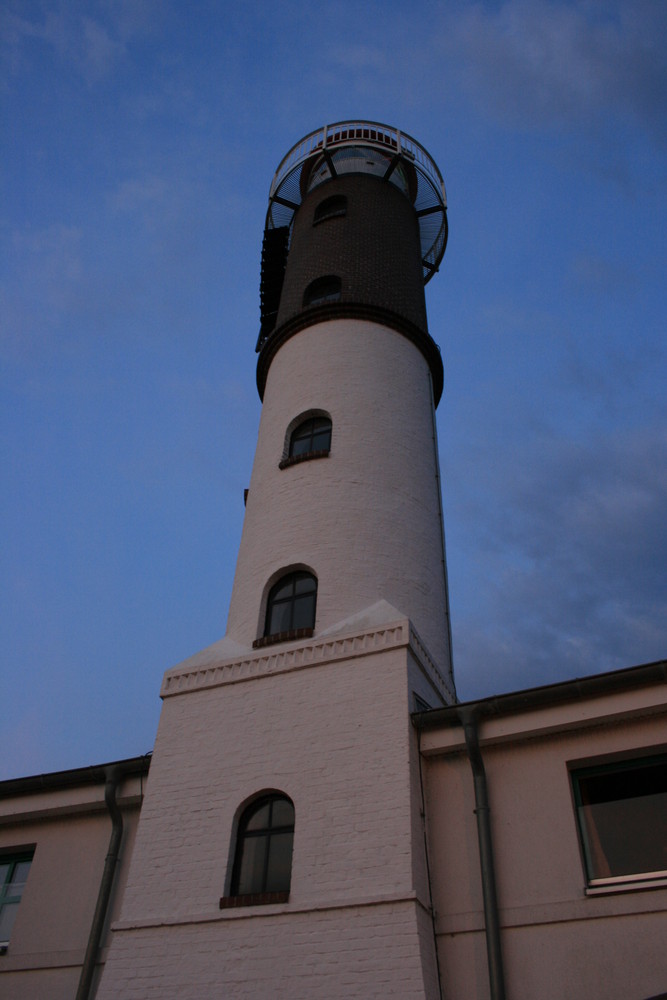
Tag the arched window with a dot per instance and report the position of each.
(263, 856)
(313, 434)
(291, 604)
(322, 290)
(330, 208)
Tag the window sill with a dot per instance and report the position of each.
(293, 633)
(253, 899)
(338, 214)
(626, 883)
(305, 457)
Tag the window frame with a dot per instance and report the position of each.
(289, 458)
(322, 291)
(294, 631)
(260, 891)
(13, 858)
(593, 835)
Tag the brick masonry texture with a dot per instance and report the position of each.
(337, 739)
(374, 249)
(361, 952)
(366, 521)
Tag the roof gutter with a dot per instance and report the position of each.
(548, 696)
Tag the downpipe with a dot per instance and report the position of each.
(113, 776)
(468, 719)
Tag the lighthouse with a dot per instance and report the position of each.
(280, 850)
(356, 224)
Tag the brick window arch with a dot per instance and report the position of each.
(331, 208)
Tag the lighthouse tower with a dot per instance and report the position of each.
(280, 851)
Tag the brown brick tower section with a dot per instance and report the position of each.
(356, 226)
(373, 248)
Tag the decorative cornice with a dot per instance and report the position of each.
(351, 310)
(429, 667)
(306, 655)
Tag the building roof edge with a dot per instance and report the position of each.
(546, 696)
(91, 775)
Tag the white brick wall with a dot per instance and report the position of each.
(336, 737)
(366, 519)
(364, 952)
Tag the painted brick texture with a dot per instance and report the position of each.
(337, 739)
(367, 520)
(361, 952)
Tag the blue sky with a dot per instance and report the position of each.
(140, 140)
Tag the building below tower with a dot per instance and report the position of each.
(577, 784)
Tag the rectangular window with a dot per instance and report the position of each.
(622, 818)
(14, 870)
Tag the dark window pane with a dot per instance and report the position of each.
(304, 430)
(622, 814)
(259, 819)
(263, 858)
(325, 289)
(19, 877)
(279, 619)
(321, 441)
(280, 862)
(7, 918)
(300, 446)
(295, 607)
(13, 876)
(304, 612)
(304, 583)
(282, 590)
(283, 813)
(331, 207)
(251, 871)
(313, 434)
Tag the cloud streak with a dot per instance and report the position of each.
(536, 63)
(91, 38)
(574, 551)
